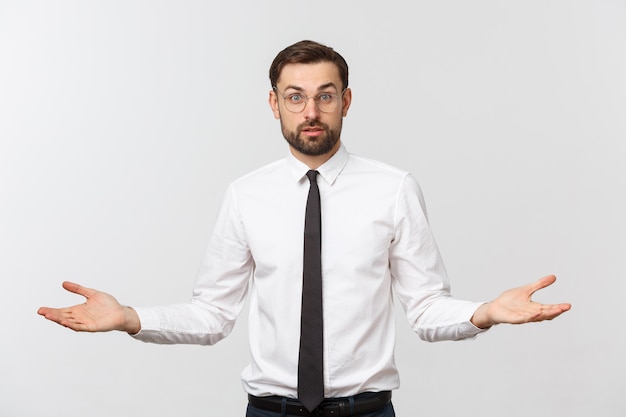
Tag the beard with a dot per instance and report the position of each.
(314, 146)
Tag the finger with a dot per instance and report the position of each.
(43, 311)
(550, 311)
(52, 314)
(541, 283)
(78, 289)
(563, 307)
(66, 317)
(555, 310)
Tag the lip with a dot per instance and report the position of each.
(312, 131)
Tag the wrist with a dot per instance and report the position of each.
(132, 324)
(481, 317)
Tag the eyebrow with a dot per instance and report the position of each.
(321, 87)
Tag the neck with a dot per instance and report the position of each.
(315, 161)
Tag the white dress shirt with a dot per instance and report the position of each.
(376, 241)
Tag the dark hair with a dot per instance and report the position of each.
(308, 52)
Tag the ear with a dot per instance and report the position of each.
(273, 101)
(346, 101)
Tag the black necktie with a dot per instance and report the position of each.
(310, 365)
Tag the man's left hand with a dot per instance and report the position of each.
(515, 306)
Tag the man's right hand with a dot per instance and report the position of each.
(100, 313)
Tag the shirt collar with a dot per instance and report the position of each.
(329, 170)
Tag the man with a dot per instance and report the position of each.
(321, 323)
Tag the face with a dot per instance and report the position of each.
(310, 132)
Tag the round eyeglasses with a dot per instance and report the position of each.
(296, 102)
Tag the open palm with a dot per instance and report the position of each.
(515, 306)
(100, 312)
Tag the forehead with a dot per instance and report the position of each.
(309, 76)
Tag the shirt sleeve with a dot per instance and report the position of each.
(419, 278)
(219, 292)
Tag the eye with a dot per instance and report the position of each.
(325, 97)
(295, 98)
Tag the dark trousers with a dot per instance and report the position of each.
(386, 411)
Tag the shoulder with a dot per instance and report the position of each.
(263, 175)
(382, 171)
(379, 175)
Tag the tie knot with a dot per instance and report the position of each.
(312, 175)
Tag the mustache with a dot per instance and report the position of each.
(313, 123)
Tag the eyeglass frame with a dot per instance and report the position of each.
(306, 101)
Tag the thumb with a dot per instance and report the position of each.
(78, 289)
(541, 283)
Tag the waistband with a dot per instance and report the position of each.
(366, 402)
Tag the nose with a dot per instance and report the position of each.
(311, 112)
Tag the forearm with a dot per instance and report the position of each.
(446, 319)
(183, 323)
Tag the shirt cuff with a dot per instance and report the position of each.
(467, 329)
(150, 325)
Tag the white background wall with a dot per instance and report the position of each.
(122, 122)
